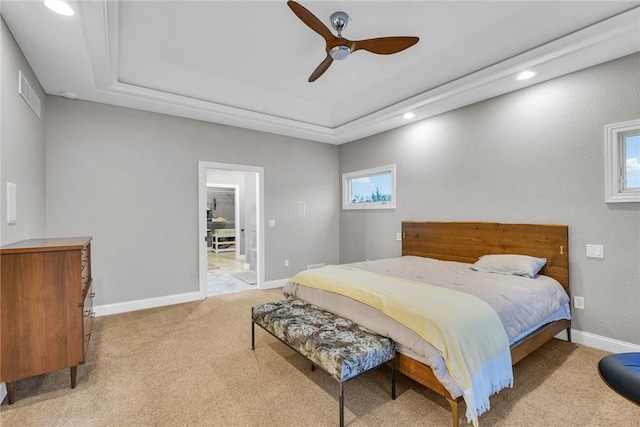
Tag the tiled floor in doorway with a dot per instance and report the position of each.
(219, 279)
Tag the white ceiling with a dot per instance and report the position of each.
(247, 63)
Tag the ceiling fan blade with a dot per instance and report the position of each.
(384, 45)
(324, 65)
(312, 22)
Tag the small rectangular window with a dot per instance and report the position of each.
(622, 162)
(632, 162)
(370, 189)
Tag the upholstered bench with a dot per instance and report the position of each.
(339, 346)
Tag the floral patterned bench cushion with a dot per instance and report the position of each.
(341, 347)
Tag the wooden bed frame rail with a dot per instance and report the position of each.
(466, 242)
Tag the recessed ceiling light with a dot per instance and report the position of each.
(408, 116)
(525, 75)
(58, 6)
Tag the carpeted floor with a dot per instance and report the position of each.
(192, 365)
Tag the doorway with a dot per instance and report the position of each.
(230, 211)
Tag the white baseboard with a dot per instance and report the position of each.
(596, 341)
(3, 391)
(603, 343)
(272, 284)
(141, 304)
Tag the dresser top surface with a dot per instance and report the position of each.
(46, 244)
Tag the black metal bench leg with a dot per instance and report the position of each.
(393, 379)
(569, 334)
(253, 335)
(341, 404)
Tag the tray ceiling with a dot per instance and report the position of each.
(246, 64)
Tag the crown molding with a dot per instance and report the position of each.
(599, 43)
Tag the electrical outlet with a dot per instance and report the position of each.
(578, 302)
(286, 263)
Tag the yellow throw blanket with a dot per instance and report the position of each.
(463, 328)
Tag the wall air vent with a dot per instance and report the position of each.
(29, 95)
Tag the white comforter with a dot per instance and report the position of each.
(521, 303)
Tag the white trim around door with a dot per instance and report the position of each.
(202, 217)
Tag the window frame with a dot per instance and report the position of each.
(348, 177)
(615, 163)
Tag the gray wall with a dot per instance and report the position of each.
(129, 178)
(22, 146)
(536, 156)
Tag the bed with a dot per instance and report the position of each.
(460, 242)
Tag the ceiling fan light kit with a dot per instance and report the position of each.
(339, 52)
(339, 48)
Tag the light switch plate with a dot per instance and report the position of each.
(595, 251)
(12, 212)
(272, 223)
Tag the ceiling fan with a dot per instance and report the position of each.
(338, 47)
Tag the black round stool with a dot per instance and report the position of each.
(621, 372)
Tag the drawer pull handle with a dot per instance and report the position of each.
(93, 314)
(89, 313)
(93, 294)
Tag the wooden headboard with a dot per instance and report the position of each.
(467, 241)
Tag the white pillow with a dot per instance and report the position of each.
(517, 265)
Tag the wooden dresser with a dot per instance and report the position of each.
(46, 303)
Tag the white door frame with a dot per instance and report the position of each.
(236, 207)
(202, 217)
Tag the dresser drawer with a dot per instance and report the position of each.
(84, 255)
(86, 276)
(85, 266)
(87, 316)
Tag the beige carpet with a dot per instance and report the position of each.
(192, 365)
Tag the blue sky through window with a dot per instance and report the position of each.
(632, 159)
(363, 188)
